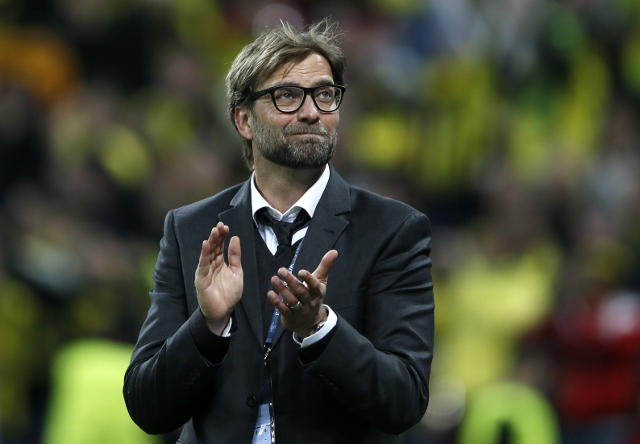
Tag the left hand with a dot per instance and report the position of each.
(310, 291)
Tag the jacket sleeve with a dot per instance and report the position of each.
(176, 355)
(382, 372)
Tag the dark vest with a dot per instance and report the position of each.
(268, 266)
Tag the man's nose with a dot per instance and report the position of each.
(308, 111)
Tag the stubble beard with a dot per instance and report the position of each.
(301, 153)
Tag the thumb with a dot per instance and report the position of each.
(322, 272)
(235, 262)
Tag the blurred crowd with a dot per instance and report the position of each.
(513, 124)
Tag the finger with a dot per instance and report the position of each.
(204, 253)
(281, 288)
(322, 272)
(289, 297)
(205, 258)
(293, 283)
(311, 282)
(211, 248)
(277, 302)
(218, 234)
(217, 237)
(235, 262)
(215, 232)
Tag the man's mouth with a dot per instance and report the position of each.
(306, 132)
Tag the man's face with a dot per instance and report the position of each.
(301, 140)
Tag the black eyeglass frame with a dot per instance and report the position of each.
(305, 93)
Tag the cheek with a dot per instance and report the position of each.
(276, 118)
(332, 121)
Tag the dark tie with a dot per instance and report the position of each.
(283, 230)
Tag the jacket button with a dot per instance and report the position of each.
(252, 401)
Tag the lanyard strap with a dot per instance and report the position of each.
(276, 312)
(264, 432)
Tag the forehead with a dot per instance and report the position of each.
(310, 71)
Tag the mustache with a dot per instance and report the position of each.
(305, 129)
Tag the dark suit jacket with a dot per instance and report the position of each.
(370, 381)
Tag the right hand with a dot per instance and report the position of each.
(218, 285)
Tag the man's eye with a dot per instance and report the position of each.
(285, 94)
(324, 94)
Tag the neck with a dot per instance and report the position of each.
(282, 187)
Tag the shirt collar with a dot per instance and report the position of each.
(308, 201)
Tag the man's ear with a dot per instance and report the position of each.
(244, 122)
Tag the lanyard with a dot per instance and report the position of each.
(276, 312)
(264, 432)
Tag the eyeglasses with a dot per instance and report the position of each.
(289, 99)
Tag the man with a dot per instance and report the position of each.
(212, 354)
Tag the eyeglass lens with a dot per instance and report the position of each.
(289, 98)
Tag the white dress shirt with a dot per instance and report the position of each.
(308, 202)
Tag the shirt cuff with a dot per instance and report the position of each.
(211, 346)
(330, 323)
(227, 330)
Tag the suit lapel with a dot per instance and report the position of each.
(240, 223)
(326, 226)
